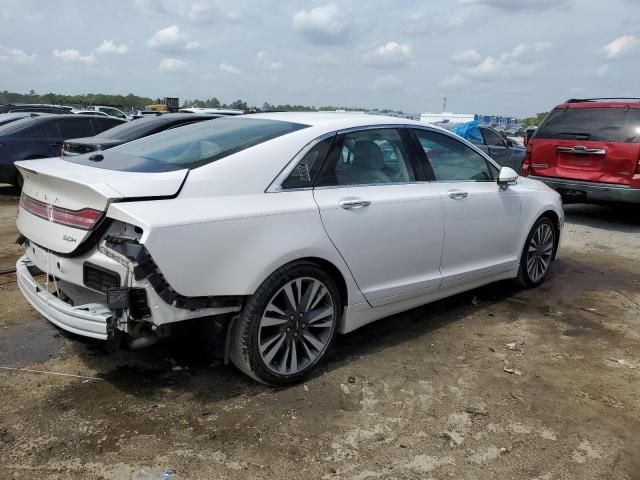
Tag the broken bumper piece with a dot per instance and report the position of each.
(88, 320)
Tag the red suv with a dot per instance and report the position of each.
(589, 150)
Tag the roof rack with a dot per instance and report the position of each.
(602, 99)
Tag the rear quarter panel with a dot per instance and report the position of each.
(228, 245)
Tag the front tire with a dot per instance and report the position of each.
(538, 253)
(286, 328)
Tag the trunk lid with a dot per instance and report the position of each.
(55, 190)
(588, 143)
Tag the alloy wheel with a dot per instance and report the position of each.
(296, 326)
(540, 252)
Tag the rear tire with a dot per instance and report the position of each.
(287, 326)
(538, 253)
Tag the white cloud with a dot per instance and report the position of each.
(520, 5)
(325, 24)
(621, 47)
(15, 55)
(73, 56)
(33, 17)
(391, 54)
(109, 46)
(173, 65)
(467, 57)
(386, 83)
(523, 61)
(454, 82)
(172, 40)
(229, 69)
(266, 62)
(425, 22)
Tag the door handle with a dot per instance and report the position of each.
(457, 194)
(354, 204)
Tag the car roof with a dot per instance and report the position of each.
(333, 120)
(600, 103)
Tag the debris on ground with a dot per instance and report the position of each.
(455, 439)
(351, 379)
(5, 436)
(622, 361)
(514, 371)
(477, 410)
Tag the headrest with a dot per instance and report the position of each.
(366, 154)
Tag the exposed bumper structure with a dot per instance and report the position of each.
(592, 191)
(88, 320)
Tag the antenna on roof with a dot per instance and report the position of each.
(444, 104)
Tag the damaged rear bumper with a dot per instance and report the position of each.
(89, 320)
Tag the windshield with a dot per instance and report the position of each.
(205, 142)
(131, 130)
(617, 124)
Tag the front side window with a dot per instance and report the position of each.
(368, 157)
(452, 160)
(492, 139)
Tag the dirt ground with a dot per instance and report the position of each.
(495, 383)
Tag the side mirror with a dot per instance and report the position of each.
(509, 143)
(506, 177)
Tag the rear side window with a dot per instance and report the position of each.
(102, 124)
(305, 172)
(201, 143)
(75, 127)
(47, 130)
(594, 124)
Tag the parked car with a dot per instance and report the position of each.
(41, 137)
(12, 117)
(130, 131)
(136, 114)
(503, 150)
(111, 111)
(277, 230)
(216, 111)
(89, 112)
(589, 150)
(36, 107)
(528, 133)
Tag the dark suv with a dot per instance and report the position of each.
(42, 137)
(589, 150)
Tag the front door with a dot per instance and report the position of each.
(482, 221)
(388, 228)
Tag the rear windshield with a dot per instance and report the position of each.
(198, 144)
(17, 126)
(131, 130)
(596, 124)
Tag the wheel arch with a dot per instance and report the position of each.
(555, 219)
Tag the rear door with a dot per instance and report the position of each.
(588, 142)
(102, 124)
(388, 227)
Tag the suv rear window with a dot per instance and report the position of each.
(201, 143)
(615, 124)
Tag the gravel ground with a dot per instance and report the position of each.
(495, 383)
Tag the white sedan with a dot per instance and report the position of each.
(277, 231)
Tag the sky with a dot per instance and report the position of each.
(508, 57)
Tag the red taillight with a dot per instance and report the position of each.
(637, 171)
(85, 219)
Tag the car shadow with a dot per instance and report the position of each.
(177, 364)
(619, 218)
(8, 191)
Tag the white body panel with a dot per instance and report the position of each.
(394, 245)
(227, 229)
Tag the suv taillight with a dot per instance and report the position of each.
(85, 219)
(526, 164)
